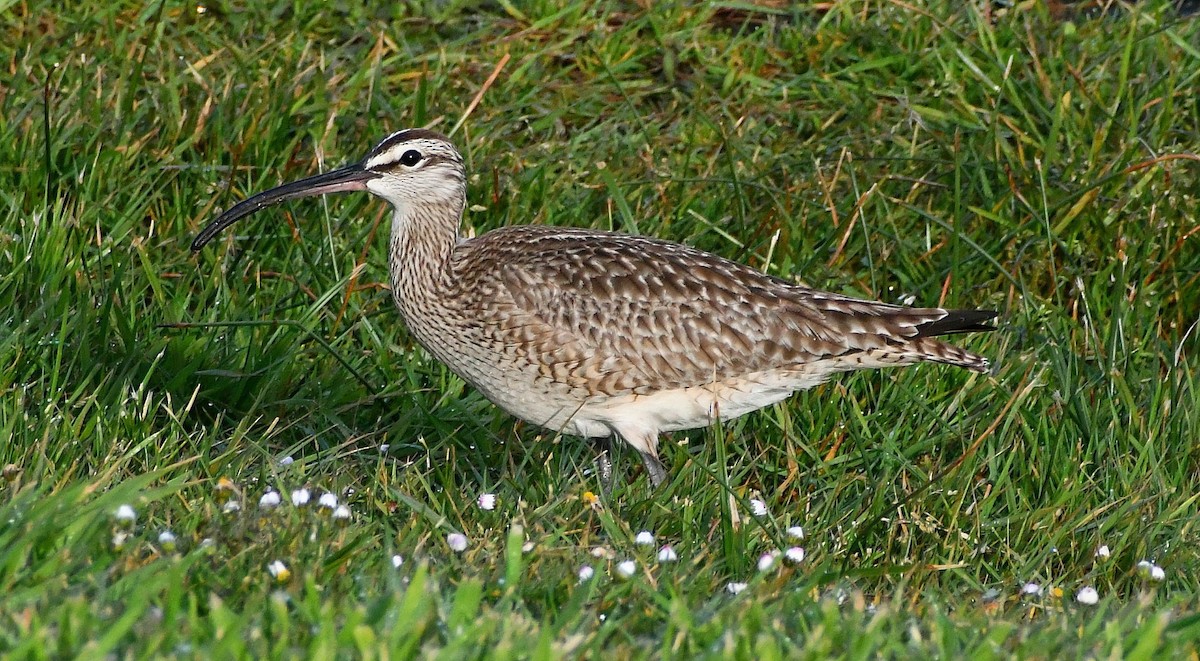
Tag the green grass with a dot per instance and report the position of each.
(1040, 166)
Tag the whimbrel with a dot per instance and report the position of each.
(601, 334)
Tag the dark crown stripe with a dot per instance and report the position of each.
(406, 135)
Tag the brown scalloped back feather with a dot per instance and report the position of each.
(615, 314)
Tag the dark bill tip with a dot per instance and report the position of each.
(350, 178)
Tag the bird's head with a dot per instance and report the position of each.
(407, 168)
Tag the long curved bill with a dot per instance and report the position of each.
(350, 178)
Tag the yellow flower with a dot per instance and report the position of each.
(225, 489)
(279, 571)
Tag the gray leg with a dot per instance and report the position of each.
(654, 468)
(604, 463)
(645, 441)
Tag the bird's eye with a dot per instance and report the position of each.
(410, 158)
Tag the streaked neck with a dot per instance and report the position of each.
(422, 241)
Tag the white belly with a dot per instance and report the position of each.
(667, 410)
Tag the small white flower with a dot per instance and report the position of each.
(341, 513)
(1031, 589)
(601, 553)
(279, 571)
(166, 539)
(486, 501)
(734, 588)
(1146, 568)
(231, 506)
(384, 447)
(119, 539)
(397, 560)
(644, 538)
(300, 497)
(626, 568)
(586, 573)
(1103, 553)
(766, 561)
(1088, 596)
(794, 555)
(269, 499)
(527, 547)
(667, 554)
(457, 542)
(758, 507)
(795, 532)
(125, 515)
(286, 461)
(328, 501)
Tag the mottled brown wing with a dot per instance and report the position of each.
(628, 314)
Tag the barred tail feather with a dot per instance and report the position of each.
(927, 349)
